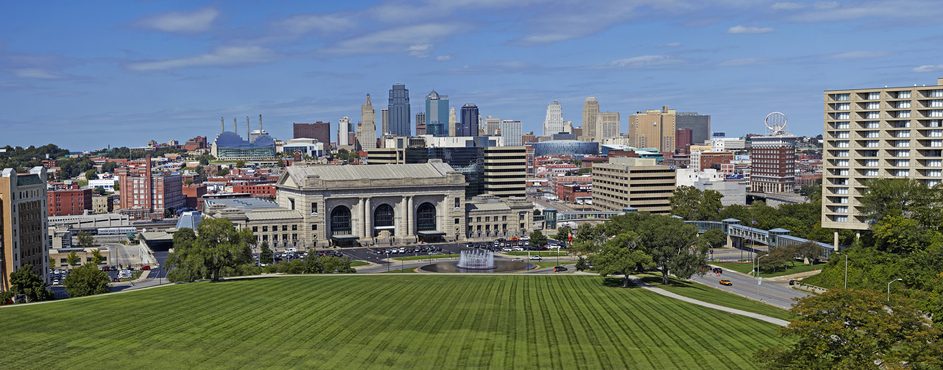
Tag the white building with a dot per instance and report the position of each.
(511, 132)
(343, 130)
(607, 125)
(553, 123)
(308, 147)
(107, 184)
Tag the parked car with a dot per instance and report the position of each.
(146, 268)
(717, 270)
(536, 258)
(725, 282)
(106, 268)
(559, 269)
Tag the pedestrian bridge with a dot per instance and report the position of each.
(737, 234)
(552, 216)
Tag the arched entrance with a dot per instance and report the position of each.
(426, 226)
(341, 230)
(383, 219)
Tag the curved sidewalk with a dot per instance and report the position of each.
(734, 311)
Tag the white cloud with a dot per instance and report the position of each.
(443, 58)
(638, 62)
(394, 40)
(34, 73)
(420, 51)
(858, 55)
(929, 68)
(742, 29)
(742, 62)
(196, 21)
(304, 23)
(673, 44)
(221, 56)
(788, 6)
(929, 11)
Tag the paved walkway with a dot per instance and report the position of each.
(734, 311)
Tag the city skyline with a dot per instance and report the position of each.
(96, 74)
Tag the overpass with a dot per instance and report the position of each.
(552, 216)
(737, 234)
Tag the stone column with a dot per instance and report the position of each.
(368, 216)
(410, 222)
(401, 216)
(357, 214)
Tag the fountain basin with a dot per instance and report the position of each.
(500, 266)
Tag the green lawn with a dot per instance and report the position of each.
(745, 268)
(426, 257)
(719, 297)
(356, 263)
(428, 321)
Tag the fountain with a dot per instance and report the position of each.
(476, 260)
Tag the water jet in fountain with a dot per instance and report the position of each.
(476, 260)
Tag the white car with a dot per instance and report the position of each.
(519, 249)
(553, 246)
(537, 257)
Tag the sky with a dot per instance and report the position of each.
(88, 74)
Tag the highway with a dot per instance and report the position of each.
(776, 293)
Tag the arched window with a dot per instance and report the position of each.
(425, 217)
(383, 218)
(340, 221)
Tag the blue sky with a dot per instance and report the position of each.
(84, 75)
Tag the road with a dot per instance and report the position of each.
(776, 293)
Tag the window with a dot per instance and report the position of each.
(340, 221)
(872, 115)
(458, 202)
(284, 227)
(903, 104)
(383, 217)
(871, 144)
(841, 134)
(469, 220)
(426, 216)
(264, 229)
(842, 106)
(294, 227)
(934, 173)
(274, 237)
(873, 105)
(844, 115)
(871, 173)
(935, 113)
(935, 103)
(872, 124)
(903, 95)
(314, 208)
(292, 201)
(504, 218)
(935, 94)
(255, 229)
(840, 218)
(478, 219)
(902, 173)
(874, 96)
(294, 237)
(841, 125)
(264, 238)
(841, 172)
(487, 218)
(841, 97)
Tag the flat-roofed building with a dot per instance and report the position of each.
(489, 217)
(633, 182)
(23, 223)
(64, 202)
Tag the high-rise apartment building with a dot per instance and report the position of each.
(700, 125)
(889, 132)
(318, 130)
(653, 129)
(23, 224)
(773, 164)
(343, 129)
(492, 124)
(553, 123)
(384, 121)
(633, 182)
(437, 114)
(367, 130)
(590, 113)
(505, 171)
(511, 132)
(469, 125)
(398, 114)
(607, 125)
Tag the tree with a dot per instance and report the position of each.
(584, 171)
(621, 256)
(169, 212)
(856, 329)
(29, 285)
(713, 238)
(72, 259)
(86, 280)
(188, 182)
(710, 206)
(353, 156)
(240, 164)
(281, 163)
(184, 264)
(684, 202)
(219, 245)
(673, 246)
(265, 254)
(563, 232)
(907, 198)
(204, 161)
(222, 172)
(97, 257)
(86, 240)
(537, 239)
(536, 212)
(585, 232)
(100, 191)
(109, 167)
(91, 175)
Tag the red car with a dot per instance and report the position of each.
(106, 268)
(146, 268)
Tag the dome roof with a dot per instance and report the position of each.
(229, 139)
(264, 140)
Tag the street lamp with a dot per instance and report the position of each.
(889, 288)
(758, 275)
(846, 268)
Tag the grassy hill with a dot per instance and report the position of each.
(421, 321)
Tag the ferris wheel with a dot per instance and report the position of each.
(776, 123)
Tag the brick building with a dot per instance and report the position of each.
(198, 142)
(318, 130)
(701, 161)
(193, 193)
(23, 223)
(141, 189)
(263, 191)
(67, 202)
(683, 140)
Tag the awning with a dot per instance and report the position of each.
(430, 233)
(344, 237)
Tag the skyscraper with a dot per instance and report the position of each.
(653, 129)
(700, 125)
(420, 123)
(511, 132)
(607, 125)
(367, 134)
(399, 115)
(492, 124)
(553, 123)
(437, 114)
(590, 111)
(343, 128)
(384, 121)
(470, 117)
(453, 121)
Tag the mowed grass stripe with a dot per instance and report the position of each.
(365, 322)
